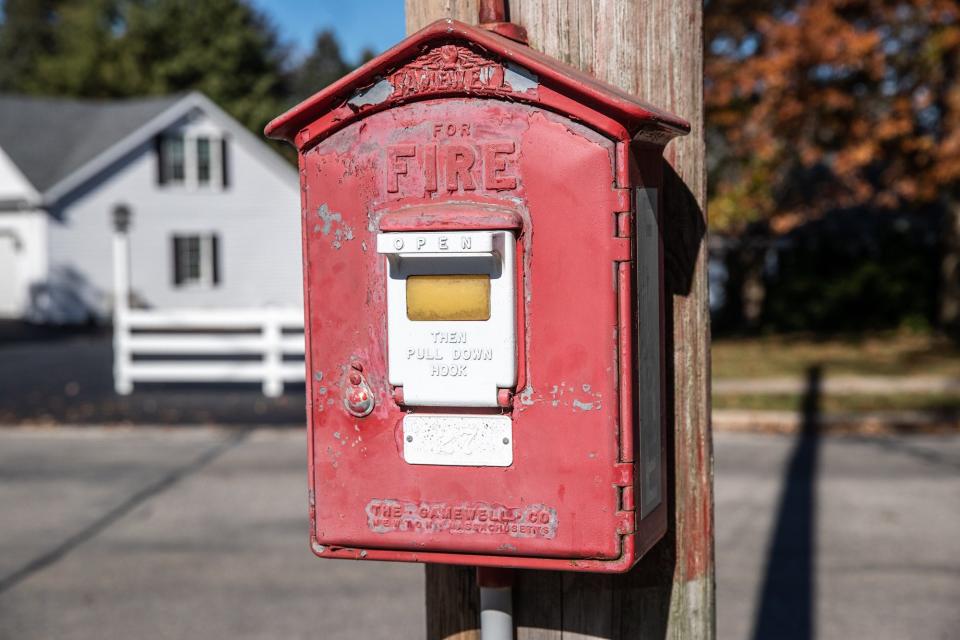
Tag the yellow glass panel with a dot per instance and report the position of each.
(448, 297)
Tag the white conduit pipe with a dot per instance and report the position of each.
(496, 603)
(496, 613)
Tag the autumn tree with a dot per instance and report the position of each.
(816, 105)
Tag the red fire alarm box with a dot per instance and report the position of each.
(484, 308)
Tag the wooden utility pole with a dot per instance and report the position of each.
(653, 49)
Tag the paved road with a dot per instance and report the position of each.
(838, 537)
(152, 533)
(178, 534)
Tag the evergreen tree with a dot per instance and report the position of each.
(223, 48)
(120, 48)
(85, 57)
(324, 65)
(25, 34)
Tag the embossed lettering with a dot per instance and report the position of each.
(449, 337)
(448, 370)
(398, 165)
(529, 521)
(449, 68)
(460, 159)
(473, 354)
(451, 129)
(458, 163)
(495, 163)
(430, 167)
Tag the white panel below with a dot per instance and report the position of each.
(458, 440)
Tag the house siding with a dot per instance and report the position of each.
(257, 220)
(14, 187)
(23, 244)
(23, 256)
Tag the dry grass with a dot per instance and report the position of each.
(878, 354)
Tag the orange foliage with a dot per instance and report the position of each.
(818, 104)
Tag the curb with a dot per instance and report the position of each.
(840, 384)
(867, 423)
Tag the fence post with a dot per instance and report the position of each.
(272, 354)
(122, 383)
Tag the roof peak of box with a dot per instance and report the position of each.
(450, 58)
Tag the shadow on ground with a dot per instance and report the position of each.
(786, 609)
(51, 376)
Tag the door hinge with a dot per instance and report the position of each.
(623, 225)
(627, 513)
(622, 199)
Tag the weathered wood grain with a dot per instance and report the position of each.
(421, 13)
(654, 49)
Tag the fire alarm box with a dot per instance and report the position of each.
(484, 308)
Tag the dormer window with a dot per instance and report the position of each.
(172, 162)
(203, 160)
(193, 160)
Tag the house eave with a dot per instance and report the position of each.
(11, 205)
(193, 100)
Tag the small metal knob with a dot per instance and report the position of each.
(357, 395)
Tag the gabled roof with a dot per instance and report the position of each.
(50, 138)
(536, 79)
(60, 143)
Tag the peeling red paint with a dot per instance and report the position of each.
(464, 132)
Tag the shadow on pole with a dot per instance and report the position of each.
(786, 609)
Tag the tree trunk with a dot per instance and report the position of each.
(949, 312)
(752, 256)
(654, 49)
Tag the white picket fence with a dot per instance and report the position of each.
(264, 345)
(190, 345)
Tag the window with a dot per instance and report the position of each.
(172, 160)
(196, 260)
(193, 161)
(203, 161)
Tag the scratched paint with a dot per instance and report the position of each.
(526, 397)
(333, 221)
(375, 94)
(520, 80)
(576, 397)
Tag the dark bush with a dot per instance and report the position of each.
(854, 270)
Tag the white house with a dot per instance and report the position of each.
(215, 211)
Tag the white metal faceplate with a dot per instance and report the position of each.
(451, 363)
(460, 440)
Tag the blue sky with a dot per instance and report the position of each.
(377, 24)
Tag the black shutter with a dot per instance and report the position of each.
(225, 162)
(177, 250)
(162, 177)
(215, 257)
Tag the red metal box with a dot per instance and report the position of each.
(483, 292)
